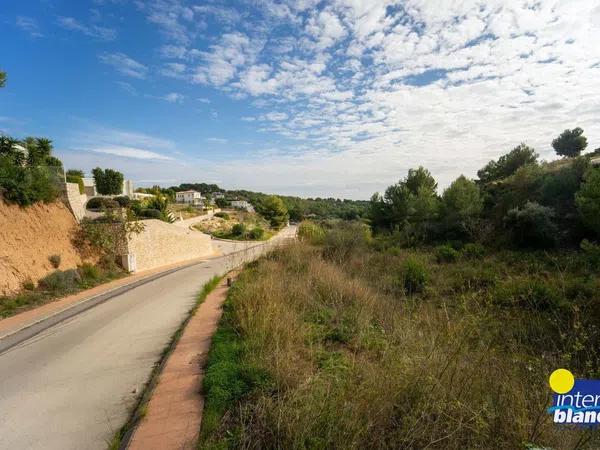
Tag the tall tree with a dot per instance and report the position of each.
(273, 209)
(508, 164)
(570, 143)
(108, 181)
(2, 79)
(462, 205)
(588, 200)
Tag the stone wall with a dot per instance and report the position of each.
(75, 201)
(162, 243)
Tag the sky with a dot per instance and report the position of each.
(298, 97)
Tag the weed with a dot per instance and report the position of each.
(55, 261)
(414, 276)
(446, 254)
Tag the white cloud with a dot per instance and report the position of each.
(29, 25)
(174, 97)
(274, 116)
(174, 70)
(364, 90)
(173, 17)
(124, 64)
(131, 152)
(225, 58)
(95, 31)
(215, 140)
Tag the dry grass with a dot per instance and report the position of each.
(335, 355)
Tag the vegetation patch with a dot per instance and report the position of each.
(56, 285)
(382, 350)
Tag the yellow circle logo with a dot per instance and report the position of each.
(562, 381)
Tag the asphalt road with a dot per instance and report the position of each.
(73, 385)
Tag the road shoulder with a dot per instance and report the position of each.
(174, 412)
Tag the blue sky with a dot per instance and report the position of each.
(314, 98)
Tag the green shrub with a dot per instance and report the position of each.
(591, 253)
(238, 229)
(36, 176)
(256, 233)
(446, 254)
(344, 240)
(466, 279)
(588, 200)
(102, 202)
(28, 285)
(533, 294)
(123, 201)
(61, 281)
(89, 272)
(55, 261)
(151, 213)
(532, 226)
(473, 251)
(414, 274)
(311, 232)
(71, 178)
(222, 215)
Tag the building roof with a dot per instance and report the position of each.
(191, 191)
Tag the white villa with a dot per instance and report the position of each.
(192, 197)
(216, 195)
(242, 204)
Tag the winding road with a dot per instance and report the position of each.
(73, 385)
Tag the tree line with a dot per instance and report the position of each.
(516, 199)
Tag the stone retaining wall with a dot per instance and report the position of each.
(75, 201)
(162, 243)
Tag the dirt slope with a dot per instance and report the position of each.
(28, 236)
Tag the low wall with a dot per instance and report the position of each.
(162, 243)
(75, 201)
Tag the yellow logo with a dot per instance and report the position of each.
(562, 381)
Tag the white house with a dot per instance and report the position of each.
(191, 197)
(242, 204)
(216, 195)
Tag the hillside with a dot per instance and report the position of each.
(28, 237)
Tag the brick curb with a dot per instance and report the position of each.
(174, 410)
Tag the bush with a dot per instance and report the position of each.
(446, 253)
(123, 201)
(591, 253)
(238, 229)
(532, 226)
(588, 200)
(102, 203)
(345, 239)
(473, 251)
(531, 294)
(60, 281)
(55, 261)
(222, 215)
(89, 272)
(311, 232)
(72, 178)
(256, 233)
(28, 285)
(151, 213)
(414, 276)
